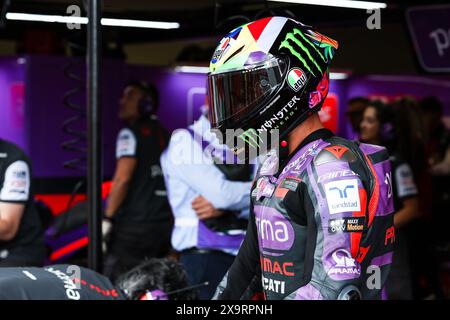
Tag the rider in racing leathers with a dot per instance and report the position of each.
(321, 223)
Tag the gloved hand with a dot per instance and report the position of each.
(106, 230)
(106, 227)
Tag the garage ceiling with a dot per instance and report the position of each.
(198, 18)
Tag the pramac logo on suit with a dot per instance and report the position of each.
(274, 230)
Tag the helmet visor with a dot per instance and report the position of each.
(235, 93)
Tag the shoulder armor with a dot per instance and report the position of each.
(335, 152)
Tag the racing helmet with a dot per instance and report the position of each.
(268, 74)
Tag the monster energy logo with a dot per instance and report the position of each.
(250, 137)
(296, 41)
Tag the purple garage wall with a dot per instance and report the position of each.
(398, 85)
(46, 87)
(393, 86)
(181, 95)
(12, 88)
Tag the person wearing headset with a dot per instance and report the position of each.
(137, 221)
(21, 231)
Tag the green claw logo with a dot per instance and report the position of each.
(250, 137)
(294, 39)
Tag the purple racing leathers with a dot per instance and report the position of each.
(321, 224)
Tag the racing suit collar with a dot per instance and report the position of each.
(322, 133)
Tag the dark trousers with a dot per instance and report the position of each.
(131, 244)
(33, 256)
(210, 266)
(399, 281)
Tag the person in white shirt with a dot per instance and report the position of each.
(210, 203)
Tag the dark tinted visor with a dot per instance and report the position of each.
(237, 92)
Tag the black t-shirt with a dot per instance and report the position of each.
(16, 187)
(440, 141)
(57, 282)
(146, 200)
(403, 185)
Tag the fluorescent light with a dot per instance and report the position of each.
(338, 75)
(367, 5)
(140, 23)
(45, 18)
(84, 20)
(192, 69)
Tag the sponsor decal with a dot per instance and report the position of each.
(125, 137)
(362, 253)
(296, 79)
(253, 136)
(290, 183)
(388, 181)
(405, 181)
(221, 49)
(269, 105)
(390, 236)
(298, 44)
(72, 292)
(274, 230)
(346, 225)
(336, 174)
(16, 183)
(264, 188)
(276, 286)
(250, 137)
(20, 174)
(344, 264)
(126, 143)
(286, 185)
(278, 118)
(342, 196)
(276, 268)
(296, 165)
